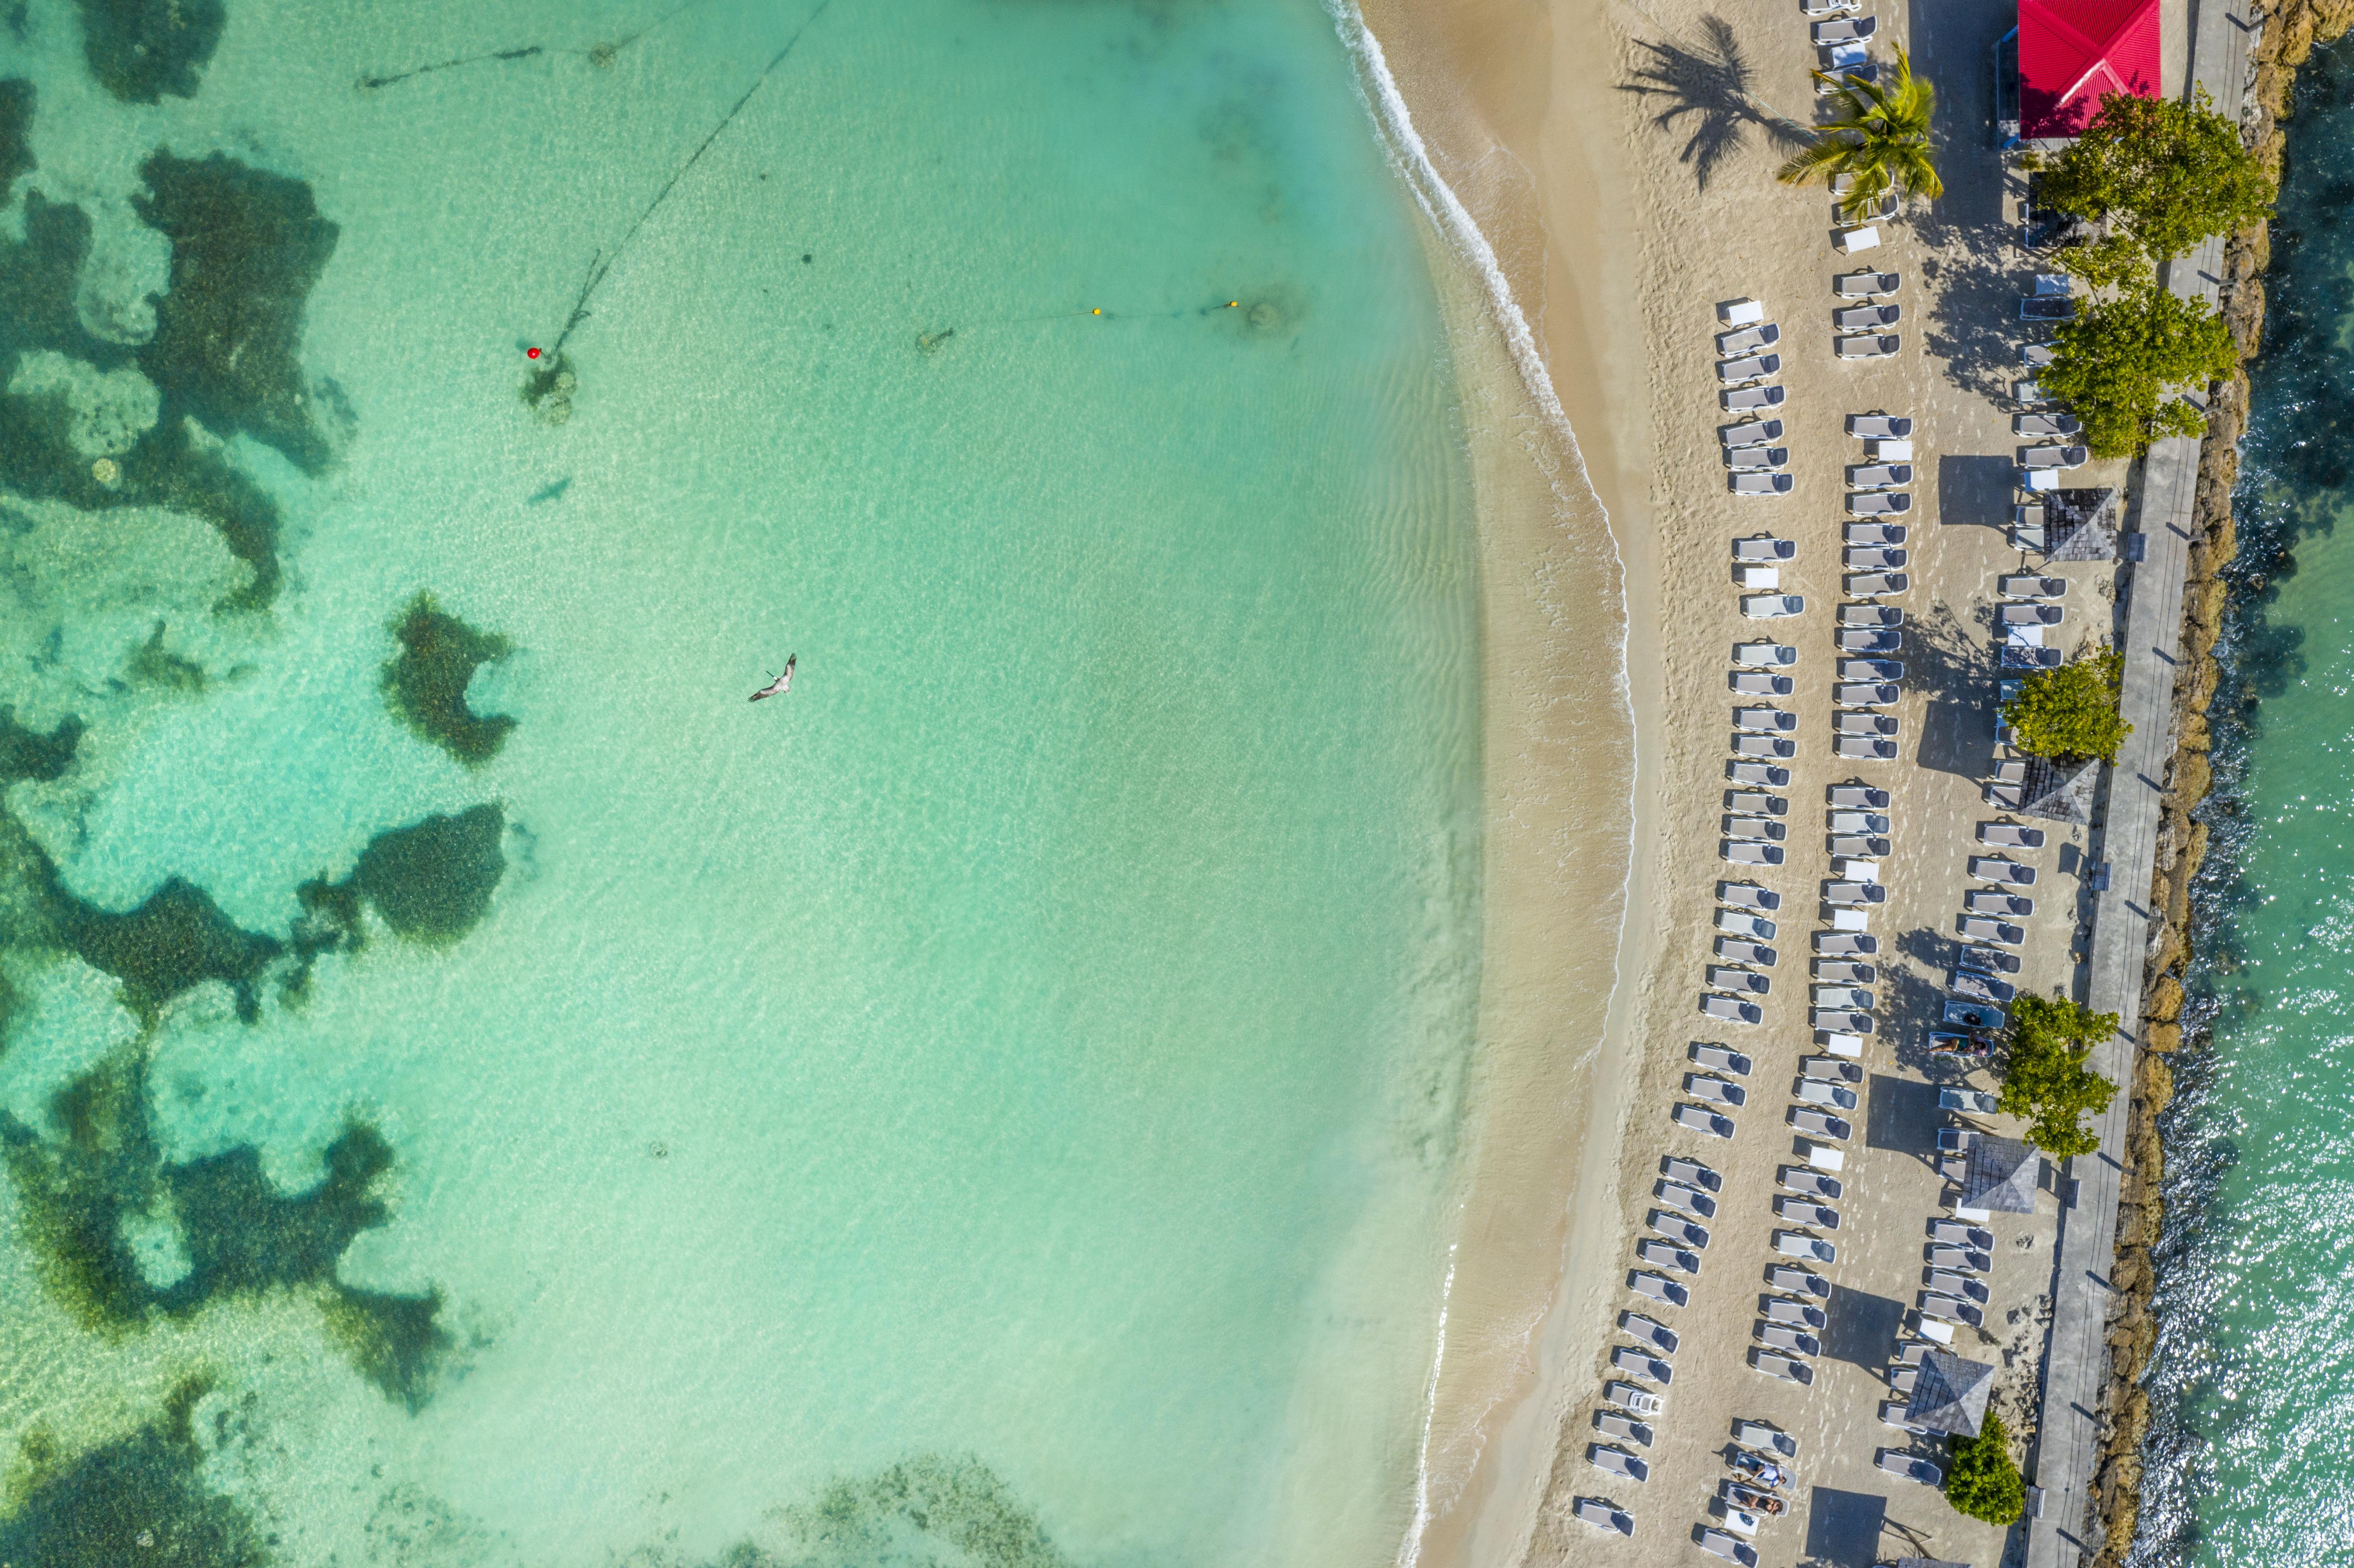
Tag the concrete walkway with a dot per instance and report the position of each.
(2067, 1445)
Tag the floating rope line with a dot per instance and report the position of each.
(524, 53)
(602, 54)
(931, 342)
(601, 263)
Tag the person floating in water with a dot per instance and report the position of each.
(781, 684)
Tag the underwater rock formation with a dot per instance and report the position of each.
(140, 50)
(139, 1498)
(240, 1235)
(247, 246)
(169, 466)
(17, 99)
(28, 753)
(426, 682)
(956, 1503)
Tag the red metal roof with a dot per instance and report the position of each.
(2073, 52)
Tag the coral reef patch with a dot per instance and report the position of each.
(136, 1499)
(28, 753)
(141, 49)
(17, 99)
(911, 1511)
(246, 248)
(239, 1235)
(426, 682)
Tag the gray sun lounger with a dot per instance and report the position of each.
(1757, 683)
(1637, 1363)
(1996, 869)
(1752, 483)
(2054, 456)
(1749, 895)
(1854, 722)
(1689, 1200)
(1871, 345)
(1736, 951)
(1984, 931)
(1617, 1462)
(2036, 355)
(1998, 904)
(1820, 1124)
(1691, 1173)
(1768, 746)
(1868, 284)
(1960, 1234)
(1851, 820)
(1793, 1314)
(1787, 1276)
(1765, 547)
(1744, 340)
(1879, 476)
(1911, 1470)
(1872, 557)
(1866, 694)
(1868, 584)
(1750, 400)
(1659, 1254)
(1873, 533)
(1717, 1058)
(1656, 1334)
(1880, 427)
(1730, 1009)
(2028, 615)
(1748, 367)
(1856, 640)
(1756, 460)
(1879, 504)
(1842, 971)
(2031, 585)
(1886, 617)
(2010, 836)
(1750, 433)
(1763, 773)
(1733, 1548)
(1658, 1287)
(1699, 1118)
(1844, 30)
(1789, 1369)
(2045, 425)
(1602, 1516)
(1766, 1435)
(1866, 318)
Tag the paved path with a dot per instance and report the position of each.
(2124, 923)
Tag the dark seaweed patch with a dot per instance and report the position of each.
(156, 665)
(17, 99)
(168, 468)
(242, 1237)
(137, 1500)
(173, 943)
(907, 1511)
(141, 49)
(246, 248)
(426, 682)
(28, 753)
(395, 1342)
(432, 881)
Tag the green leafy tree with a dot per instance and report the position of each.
(2044, 1078)
(1877, 134)
(2122, 364)
(2162, 173)
(2071, 711)
(1980, 1478)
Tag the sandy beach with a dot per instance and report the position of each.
(1618, 160)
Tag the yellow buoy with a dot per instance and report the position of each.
(1098, 310)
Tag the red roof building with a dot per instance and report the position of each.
(2070, 52)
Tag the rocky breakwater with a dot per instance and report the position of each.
(2287, 35)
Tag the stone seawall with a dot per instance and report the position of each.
(2290, 30)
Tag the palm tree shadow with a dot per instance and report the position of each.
(1715, 83)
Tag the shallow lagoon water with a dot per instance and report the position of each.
(995, 1104)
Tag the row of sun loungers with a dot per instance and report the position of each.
(1746, 366)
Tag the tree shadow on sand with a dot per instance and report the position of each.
(1715, 83)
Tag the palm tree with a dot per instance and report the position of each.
(1879, 134)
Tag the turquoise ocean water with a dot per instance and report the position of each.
(2251, 1459)
(995, 1104)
